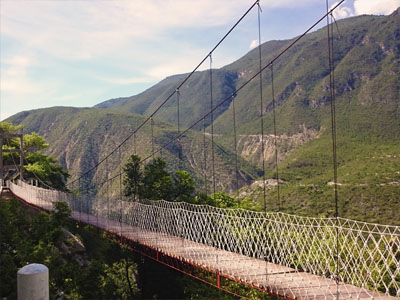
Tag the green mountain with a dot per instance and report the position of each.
(366, 61)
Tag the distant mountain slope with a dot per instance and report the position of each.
(81, 137)
(366, 63)
(194, 97)
(366, 60)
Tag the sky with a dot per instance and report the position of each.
(80, 53)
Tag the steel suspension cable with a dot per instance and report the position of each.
(134, 144)
(171, 95)
(275, 137)
(249, 80)
(227, 98)
(333, 136)
(205, 156)
(152, 137)
(243, 85)
(261, 105)
(120, 190)
(107, 197)
(235, 145)
(212, 126)
(262, 126)
(179, 129)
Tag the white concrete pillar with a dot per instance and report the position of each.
(33, 282)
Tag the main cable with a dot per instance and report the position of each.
(249, 80)
(243, 85)
(171, 95)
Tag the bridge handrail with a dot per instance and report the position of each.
(277, 216)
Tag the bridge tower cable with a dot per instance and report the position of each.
(212, 126)
(333, 136)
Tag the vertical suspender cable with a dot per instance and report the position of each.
(261, 107)
(205, 156)
(333, 133)
(120, 191)
(107, 196)
(262, 126)
(97, 206)
(235, 143)
(134, 144)
(212, 126)
(275, 137)
(80, 201)
(152, 137)
(179, 130)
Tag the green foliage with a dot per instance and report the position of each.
(47, 169)
(157, 182)
(184, 186)
(34, 142)
(38, 165)
(223, 200)
(38, 238)
(133, 177)
(115, 279)
(60, 214)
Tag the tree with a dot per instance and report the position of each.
(133, 177)
(157, 182)
(38, 165)
(223, 200)
(184, 186)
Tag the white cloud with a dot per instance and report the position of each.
(72, 45)
(15, 77)
(253, 44)
(82, 30)
(375, 7)
(342, 11)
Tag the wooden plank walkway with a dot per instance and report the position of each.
(280, 280)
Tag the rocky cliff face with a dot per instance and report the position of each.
(250, 146)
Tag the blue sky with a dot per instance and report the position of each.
(80, 53)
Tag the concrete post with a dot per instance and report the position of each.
(33, 282)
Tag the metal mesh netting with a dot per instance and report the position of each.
(285, 254)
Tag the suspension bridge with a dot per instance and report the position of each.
(285, 255)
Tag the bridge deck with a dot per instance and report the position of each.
(280, 280)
